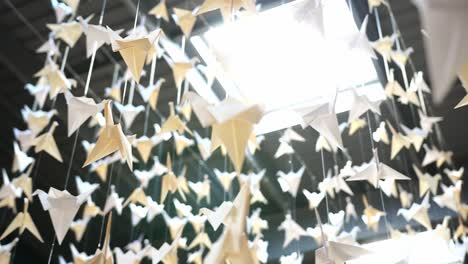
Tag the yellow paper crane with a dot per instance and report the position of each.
(160, 11)
(226, 7)
(57, 80)
(371, 216)
(232, 122)
(180, 70)
(185, 19)
(69, 32)
(46, 142)
(137, 196)
(135, 49)
(169, 180)
(399, 141)
(110, 140)
(173, 123)
(22, 222)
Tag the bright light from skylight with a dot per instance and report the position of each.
(274, 59)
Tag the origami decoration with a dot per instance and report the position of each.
(134, 49)
(169, 181)
(435, 19)
(400, 57)
(399, 141)
(129, 113)
(384, 45)
(111, 139)
(160, 11)
(350, 210)
(290, 182)
(226, 7)
(360, 44)
(20, 160)
(362, 104)
(56, 79)
(355, 125)
(62, 207)
(113, 201)
(371, 216)
(79, 110)
(39, 91)
(418, 212)
(180, 70)
(150, 94)
(138, 213)
(232, 122)
(5, 251)
(201, 189)
(137, 196)
(69, 32)
(292, 230)
(154, 209)
(23, 182)
(323, 119)
(375, 4)
(79, 228)
(22, 221)
(173, 123)
(380, 134)
(376, 171)
(36, 121)
(46, 142)
(427, 182)
(96, 36)
(185, 19)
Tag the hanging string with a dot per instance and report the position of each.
(108, 189)
(324, 176)
(369, 124)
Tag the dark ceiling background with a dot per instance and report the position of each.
(22, 23)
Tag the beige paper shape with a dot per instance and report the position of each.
(22, 221)
(91, 210)
(36, 121)
(150, 94)
(393, 88)
(46, 142)
(5, 251)
(399, 141)
(62, 207)
(20, 159)
(362, 104)
(289, 182)
(69, 32)
(113, 201)
(173, 123)
(114, 93)
(201, 189)
(144, 146)
(79, 228)
(129, 113)
(227, 7)
(225, 178)
(427, 182)
(169, 181)
(371, 216)
(100, 167)
(292, 230)
(384, 45)
(79, 110)
(160, 11)
(202, 239)
(418, 212)
(24, 182)
(313, 198)
(134, 49)
(137, 196)
(355, 125)
(111, 139)
(179, 71)
(185, 19)
(39, 91)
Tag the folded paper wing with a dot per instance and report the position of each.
(46, 142)
(22, 221)
(110, 140)
(79, 110)
(62, 207)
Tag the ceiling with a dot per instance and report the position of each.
(24, 30)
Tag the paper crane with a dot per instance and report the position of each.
(359, 43)
(129, 113)
(134, 49)
(20, 159)
(79, 110)
(225, 178)
(362, 104)
(62, 207)
(427, 182)
(323, 119)
(293, 231)
(380, 134)
(201, 189)
(169, 181)
(376, 171)
(22, 221)
(418, 212)
(290, 182)
(69, 32)
(154, 209)
(173, 123)
(185, 20)
(226, 7)
(24, 182)
(203, 145)
(313, 198)
(399, 141)
(150, 94)
(36, 121)
(56, 79)
(113, 201)
(39, 91)
(180, 70)
(111, 139)
(371, 216)
(101, 256)
(233, 244)
(393, 88)
(436, 18)
(160, 11)
(232, 122)
(46, 142)
(5, 251)
(96, 36)
(79, 228)
(384, 45)
(61, 10)
(137, 196)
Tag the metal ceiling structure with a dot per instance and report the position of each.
(23, 27)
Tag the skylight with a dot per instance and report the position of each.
(274, 59)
